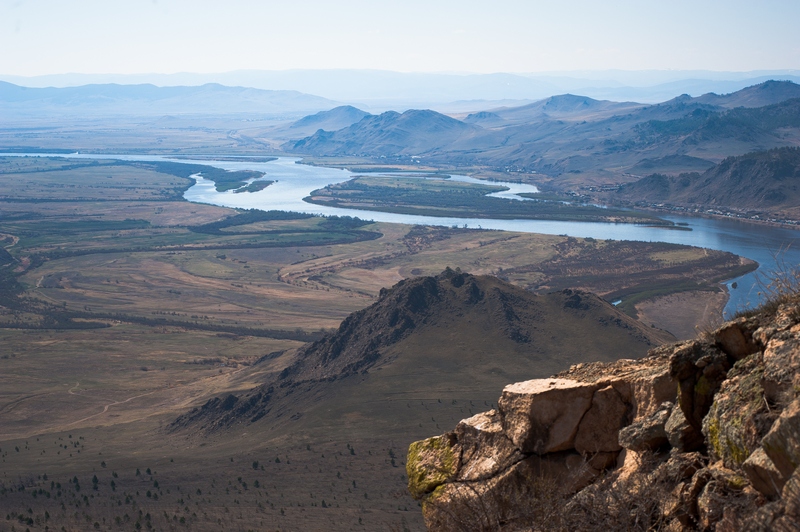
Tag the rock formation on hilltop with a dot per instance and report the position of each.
(700, 435)
(454, 331)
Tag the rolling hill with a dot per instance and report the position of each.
(454, 338)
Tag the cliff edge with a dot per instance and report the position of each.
(699, 435)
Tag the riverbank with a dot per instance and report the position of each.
(685, 314)
(762, 243)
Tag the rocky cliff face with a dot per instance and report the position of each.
(700, 435)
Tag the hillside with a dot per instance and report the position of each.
(766, 182)
(455, 337)
(413, 132)
(332, 120)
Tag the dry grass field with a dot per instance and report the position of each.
(179, 315)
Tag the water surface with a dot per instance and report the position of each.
(772, 247)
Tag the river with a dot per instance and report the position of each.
(772, 247)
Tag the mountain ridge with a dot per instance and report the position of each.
(149, 100)
(416, 131)
(468, 332)
(582, 135)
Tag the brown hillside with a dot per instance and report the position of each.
(454, 336)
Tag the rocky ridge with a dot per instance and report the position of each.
(465, 314)
(699, 435)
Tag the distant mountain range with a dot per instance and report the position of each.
(378, 90)
(574, 134)
(150, 100)
(562, 106)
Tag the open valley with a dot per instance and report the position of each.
(125, 306)
(500, 266)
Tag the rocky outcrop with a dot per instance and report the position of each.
(474, 311)
(700, 435)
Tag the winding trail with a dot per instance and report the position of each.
(106, 407)
(109, 405)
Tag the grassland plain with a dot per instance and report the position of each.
(440, 197)
(122, 306)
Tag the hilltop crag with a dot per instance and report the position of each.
(427, 335)
(699, 435)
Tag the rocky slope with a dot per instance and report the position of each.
(700, 435)
(765, 182)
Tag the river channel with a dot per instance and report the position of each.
(294, 181)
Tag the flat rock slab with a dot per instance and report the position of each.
(542, 415)
(763, 474)
(599, 428)
(782, 442)
(484, 448)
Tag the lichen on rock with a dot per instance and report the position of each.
(709, 432)
(739, 417)
(430, 463)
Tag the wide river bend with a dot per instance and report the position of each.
(293, 182)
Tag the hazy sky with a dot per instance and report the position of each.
(164, 36)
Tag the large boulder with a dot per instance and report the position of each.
(735, 338)
(699, 369)
(430, 463)
(763, 474)
(599, 429)
(782, 367)
(681, 435)
(739, 417)
(782, 442)
(542, 415)
(530, 490)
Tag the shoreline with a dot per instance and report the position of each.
(685, 314)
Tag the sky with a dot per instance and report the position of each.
(39, 37)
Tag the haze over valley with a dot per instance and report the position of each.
(254, 259)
